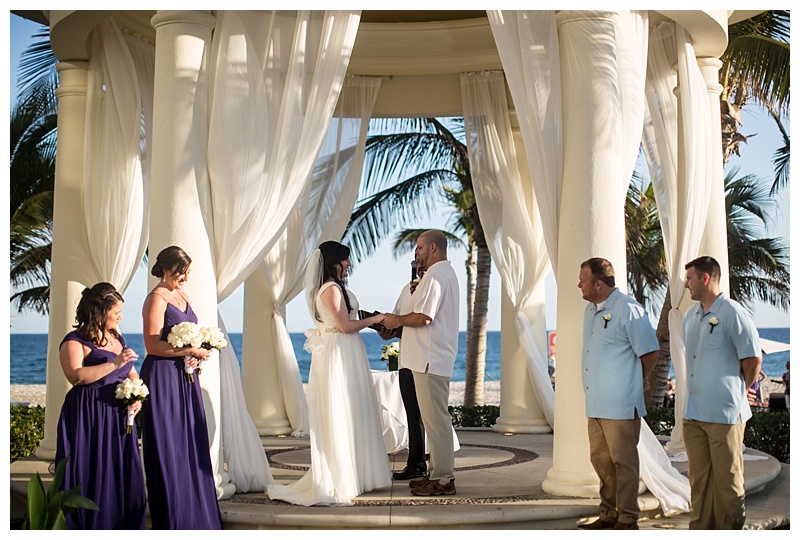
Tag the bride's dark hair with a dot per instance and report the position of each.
(332, 254)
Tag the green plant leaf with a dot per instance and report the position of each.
(73, 499)
(60, 523)
(37, 503)
(58, 478)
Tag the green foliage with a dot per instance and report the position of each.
(27, 429)
(661, 420)
(46, 509)
(766, 432)
(474, 415)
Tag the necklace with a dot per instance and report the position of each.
(177, 297)
(110, 342)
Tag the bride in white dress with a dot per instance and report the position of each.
(348, 456)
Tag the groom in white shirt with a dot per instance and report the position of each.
(430, 345)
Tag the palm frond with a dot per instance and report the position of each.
(36, 299)
(375, 217)
(37, 66)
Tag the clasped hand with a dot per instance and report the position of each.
(392, 321)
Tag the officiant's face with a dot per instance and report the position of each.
(342, 268)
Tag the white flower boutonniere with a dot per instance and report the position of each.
(712, 322)
(606, 318)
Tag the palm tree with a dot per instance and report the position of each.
(33, 145)
(759, 266)
(439, 168)
(32, 174)
(755, 66)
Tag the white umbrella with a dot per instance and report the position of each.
(769, 346)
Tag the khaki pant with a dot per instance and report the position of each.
(612, 450)
(433, 395)
(716, 474)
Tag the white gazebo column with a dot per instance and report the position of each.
(70, 254)
(260, 378)
(180, 178)
(715, 236)
(591, 224)
(519, 410)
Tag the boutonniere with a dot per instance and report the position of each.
(606, 318)
(712, 322)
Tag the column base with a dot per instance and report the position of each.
(572, 484)
(505, 424)
(46, 450)
(266, 428)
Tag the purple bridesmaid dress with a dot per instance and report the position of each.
(180, 480)
(103, 458)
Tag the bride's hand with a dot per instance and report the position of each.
(378, 318)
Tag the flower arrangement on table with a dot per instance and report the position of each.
(391, 354)
(189, 334)
(129, 392)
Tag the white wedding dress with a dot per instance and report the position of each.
(348, 456)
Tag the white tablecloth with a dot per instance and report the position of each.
(393, 414)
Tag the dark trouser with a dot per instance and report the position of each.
(416, 432)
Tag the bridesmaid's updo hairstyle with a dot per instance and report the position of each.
(171, 260)
(93, 308)
(332, 254)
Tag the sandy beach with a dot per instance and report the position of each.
(34, 394)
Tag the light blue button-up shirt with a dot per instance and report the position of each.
(715, 385)
(614, 340)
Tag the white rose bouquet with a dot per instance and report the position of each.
(185, 334)
(211, 337)
(189, 334)
(129, 392)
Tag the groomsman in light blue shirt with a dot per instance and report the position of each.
(619, 351)
(723, 360)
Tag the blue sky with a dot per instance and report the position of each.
(378, 281)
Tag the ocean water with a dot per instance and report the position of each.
(28, 354)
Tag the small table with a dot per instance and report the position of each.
(393, 414)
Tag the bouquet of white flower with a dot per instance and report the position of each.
(129, 392)
(185, 334)
(211, 337)
(189, 334)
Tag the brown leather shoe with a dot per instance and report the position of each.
(435, 488)
(598, 525)
(419, 483)
(620, 526)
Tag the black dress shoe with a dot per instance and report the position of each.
(598, 525)
(408, 473)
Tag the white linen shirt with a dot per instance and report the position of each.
(615, 338)
(715, 384)
(432, 348)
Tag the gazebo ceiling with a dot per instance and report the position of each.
(418, 53)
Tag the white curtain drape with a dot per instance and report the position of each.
(509, 215)
(119, 96)
(322, 214)
(528, 45)
(275, 78)
(682, 202)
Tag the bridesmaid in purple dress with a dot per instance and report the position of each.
(177, 463)
(103, 457)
